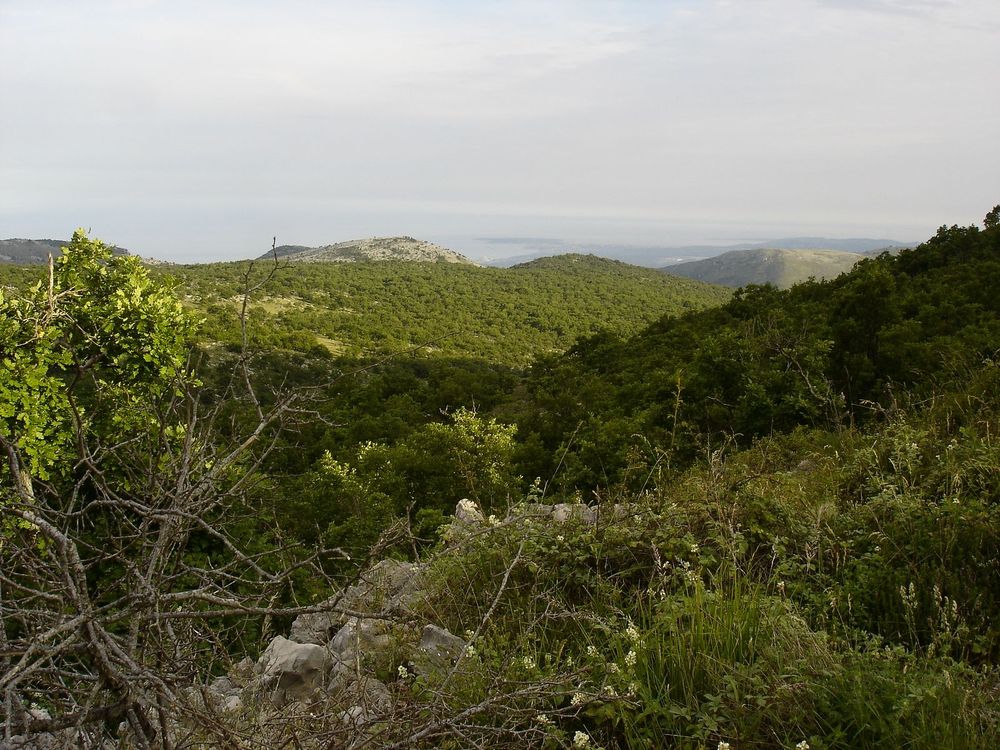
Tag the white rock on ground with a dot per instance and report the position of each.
(292, 671)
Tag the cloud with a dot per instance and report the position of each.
(969, 15)
(561, 107)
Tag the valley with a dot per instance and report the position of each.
(632, 504)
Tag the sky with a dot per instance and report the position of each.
(197, 131)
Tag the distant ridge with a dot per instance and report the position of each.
(35, 252)
(781, 267)
(659, 256)
(565, 261)
(374, 249)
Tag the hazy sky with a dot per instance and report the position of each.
(197, 130)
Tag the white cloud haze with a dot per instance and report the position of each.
(196, 130)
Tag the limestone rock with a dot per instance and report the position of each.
(292, 671)
(225, 695)
(65, 738)
(579, 512)
(438, 649)
(358, 637)
(355, 717)
(371, 695)
(468, 517)
(467, 513)
(388, 586)
(534, 510)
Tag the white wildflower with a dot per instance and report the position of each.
(613, 668)
(592, 650)
(630, 659)
(529, 662)
(403, 672)
(802, 745)
(724, 746)
(578, 699)
(581, 740)
(544, 720)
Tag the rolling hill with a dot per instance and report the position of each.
(24, 252)
(373, 249)
(659, 256)
(778, 266)
(455, 309)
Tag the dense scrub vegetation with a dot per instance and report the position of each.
(500, 315)
(816, 476)
(896, 329)
(797, 540)
(812, 558)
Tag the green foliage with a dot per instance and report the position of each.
(796, 492)
(80, 351)
(819, 354)
(503, 315)
(648, 629)
(992, 220)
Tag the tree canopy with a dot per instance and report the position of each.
(80, 351)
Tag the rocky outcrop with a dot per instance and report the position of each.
(332, 659)
(438, 650)
(369, 250)
(353, 661)
(290, 671)
(390, 588)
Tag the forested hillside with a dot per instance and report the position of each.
(769, 523)
(35, 252)
(768, 361)
(499, 315)
(779, 267)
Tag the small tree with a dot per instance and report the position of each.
(113, 474)
(992, 220)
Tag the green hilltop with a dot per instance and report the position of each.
(372, 249)
(781, 267)
(502, 315)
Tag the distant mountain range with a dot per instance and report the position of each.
(658, 256)
(374, 249)
(32, 252)
(781, 262)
